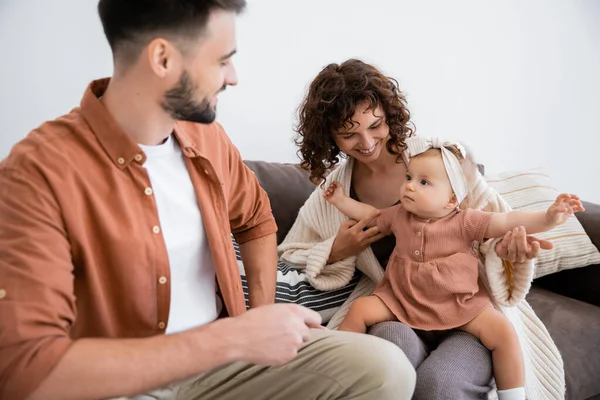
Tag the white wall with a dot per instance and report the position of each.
(517, 81)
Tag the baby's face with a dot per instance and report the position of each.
(426, 190)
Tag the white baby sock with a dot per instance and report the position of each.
(512, 394)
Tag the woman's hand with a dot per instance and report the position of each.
(516, 246)
(351, 239)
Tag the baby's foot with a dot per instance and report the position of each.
(334, 192)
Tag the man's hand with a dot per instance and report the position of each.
(269, 335)
(351, 239)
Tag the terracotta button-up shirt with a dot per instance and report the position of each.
(81, 249)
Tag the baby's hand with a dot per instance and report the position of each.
(334, 192)
(564, 206)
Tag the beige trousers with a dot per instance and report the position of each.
(333, 365)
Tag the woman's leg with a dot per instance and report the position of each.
(459, 368)
(365, 312)
(404, 337)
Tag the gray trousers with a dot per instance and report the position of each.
(453, 366)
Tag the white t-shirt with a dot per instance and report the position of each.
(193, 291)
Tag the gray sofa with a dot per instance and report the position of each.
(567, 302)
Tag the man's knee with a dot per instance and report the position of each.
(375, 366)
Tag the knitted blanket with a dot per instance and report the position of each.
(308, 245)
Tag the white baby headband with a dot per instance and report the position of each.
(417, 144)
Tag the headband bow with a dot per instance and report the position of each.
(417, 144)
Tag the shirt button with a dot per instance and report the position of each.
(156, 230)
(139, 157)
(161, 325)
(121, 160)
(419, 233)
(2, 294)
(148, 191)
(417, 252)
(162, 280)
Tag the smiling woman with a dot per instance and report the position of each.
(353, 111)
(371, 114)
(363, 137)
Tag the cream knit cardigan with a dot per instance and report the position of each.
(308, 245)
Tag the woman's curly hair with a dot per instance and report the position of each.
(330, 103)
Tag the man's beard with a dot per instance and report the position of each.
(179, 103)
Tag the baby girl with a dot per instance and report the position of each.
(431, 279)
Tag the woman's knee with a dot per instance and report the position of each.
(460, 368)
(395, 332)
(404, 337)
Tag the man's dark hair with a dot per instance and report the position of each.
(131, 24)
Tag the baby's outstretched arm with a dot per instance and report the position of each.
(535, 221)
(348, 206)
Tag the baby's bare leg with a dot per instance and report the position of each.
(365, 312)
(497, 334)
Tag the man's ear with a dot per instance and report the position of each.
(162, 56)
(452, 203)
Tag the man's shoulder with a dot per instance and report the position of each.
(47, 144)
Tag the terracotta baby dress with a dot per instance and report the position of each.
(431, 279)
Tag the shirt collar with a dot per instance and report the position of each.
(119, 146)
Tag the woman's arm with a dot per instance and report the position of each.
(322, 242)
(352, 239)
(320, 230)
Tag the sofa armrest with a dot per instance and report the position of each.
(579, 283)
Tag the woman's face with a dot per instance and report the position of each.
(365, 139)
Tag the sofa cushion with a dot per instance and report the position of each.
(574, 327)
(534, 190)
(288, 187)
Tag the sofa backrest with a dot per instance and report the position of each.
(288, 187)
